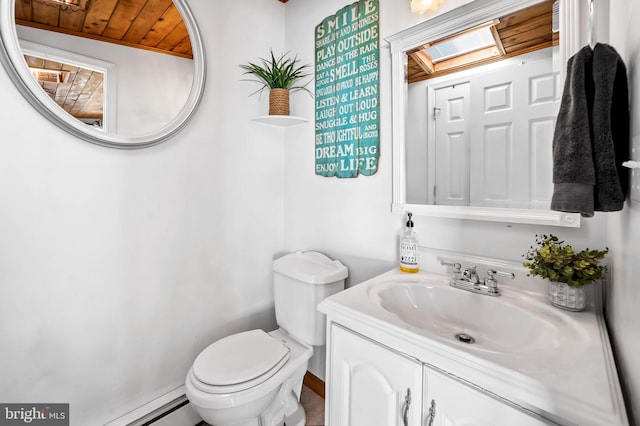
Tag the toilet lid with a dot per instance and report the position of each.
(239, 358)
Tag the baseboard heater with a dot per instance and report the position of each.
(162, 412)
(171, 409)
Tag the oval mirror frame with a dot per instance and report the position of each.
(15, 65)
(456, 20)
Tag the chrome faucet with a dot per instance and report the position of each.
(468, 279)
(471, 275)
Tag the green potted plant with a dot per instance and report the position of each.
(567, 271)
(280, 75)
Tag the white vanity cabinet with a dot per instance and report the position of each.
(448, 402)
(370, 384)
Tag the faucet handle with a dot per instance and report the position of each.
(457, 267)
(492, 273)
(491, 281)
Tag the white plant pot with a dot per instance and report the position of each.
(566, 297)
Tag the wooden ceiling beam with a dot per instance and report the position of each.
(497, 39)
(424, 61)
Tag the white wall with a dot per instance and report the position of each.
(118, 267)
(345, 217)
(623, 313)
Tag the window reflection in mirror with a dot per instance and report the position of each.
(481, 113)
(146, 43)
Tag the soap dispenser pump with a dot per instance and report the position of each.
(409, 248)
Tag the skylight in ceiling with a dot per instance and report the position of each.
(465, 43)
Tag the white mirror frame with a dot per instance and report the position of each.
(13, 61)
(466, 16)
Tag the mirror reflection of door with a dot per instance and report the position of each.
(451, 121)
(511, 65)
(493, 132)
(514, 110)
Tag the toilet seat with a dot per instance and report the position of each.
(239, 362)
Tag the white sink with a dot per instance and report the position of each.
(506, 324)
(556, 362)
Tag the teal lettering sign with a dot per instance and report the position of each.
(346, 95)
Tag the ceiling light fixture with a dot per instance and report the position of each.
(423, 6)
(75, 4)
(70, 2)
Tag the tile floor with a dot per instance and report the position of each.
(313, 407)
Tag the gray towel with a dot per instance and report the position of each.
(591, 138)
(573, 171)
(610, 128)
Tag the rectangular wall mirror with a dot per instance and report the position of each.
(475, 94)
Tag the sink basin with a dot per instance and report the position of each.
(497, 324)
(524, 350)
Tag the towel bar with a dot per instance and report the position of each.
(631, 164)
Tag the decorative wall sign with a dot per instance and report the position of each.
(347, 98)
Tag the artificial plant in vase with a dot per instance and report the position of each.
(281, 76)
(567, 271)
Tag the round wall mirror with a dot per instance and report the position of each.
(121, 74)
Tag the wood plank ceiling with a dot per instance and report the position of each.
(522, 32)
(144, 24)
(154, 25)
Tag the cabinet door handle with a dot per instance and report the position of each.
(405, 408)
(432, 414)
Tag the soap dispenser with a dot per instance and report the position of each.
(409, 248)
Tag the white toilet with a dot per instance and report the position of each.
(254, 378)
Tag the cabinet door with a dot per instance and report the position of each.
(457, 404)
(370, 384)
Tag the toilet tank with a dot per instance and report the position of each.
(302, 280)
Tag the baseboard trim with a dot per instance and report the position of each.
(314, 383)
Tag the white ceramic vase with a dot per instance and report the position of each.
(566, 297)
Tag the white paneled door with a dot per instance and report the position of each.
(451, 115)
(493, 137)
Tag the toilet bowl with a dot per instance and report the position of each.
(255, 378)
(238, 398)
